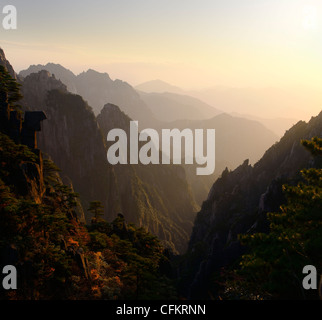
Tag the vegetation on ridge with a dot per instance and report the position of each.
(273, 266)
(57, 256)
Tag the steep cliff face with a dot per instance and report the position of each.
(72, 138)
(41, 238)
(19, 128)
(30, 192)
(155, 196)
(5, 63)
(239, 200)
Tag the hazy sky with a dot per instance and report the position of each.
(189, 43)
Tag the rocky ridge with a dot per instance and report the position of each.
(239, 200)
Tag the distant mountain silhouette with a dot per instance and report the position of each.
(66, 76)
(237, 139)
(266, 102)
(172, 106)
(278, 125)
(264, 105)
(99, 89)
(158, 86)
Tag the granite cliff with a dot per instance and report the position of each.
(72, 139)
(53, 255)
(156, 196)
(5, 63)
(238, 202)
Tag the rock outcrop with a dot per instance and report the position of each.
(23, 176)
(22, 129)
(72, 139)
(5, 63)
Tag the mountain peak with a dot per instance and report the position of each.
(109, 107)
(158, 86)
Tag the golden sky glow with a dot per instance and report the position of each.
(191, 44)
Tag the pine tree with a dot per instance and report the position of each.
(11, 87)
(96, 209)
(273, 267)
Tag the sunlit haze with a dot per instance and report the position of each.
(190, 44)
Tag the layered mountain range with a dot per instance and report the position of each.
(169, 111)
(252, 104)
(98, 89)
(74, 139)
(169, 106)
(81, 109)
(167, 200)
